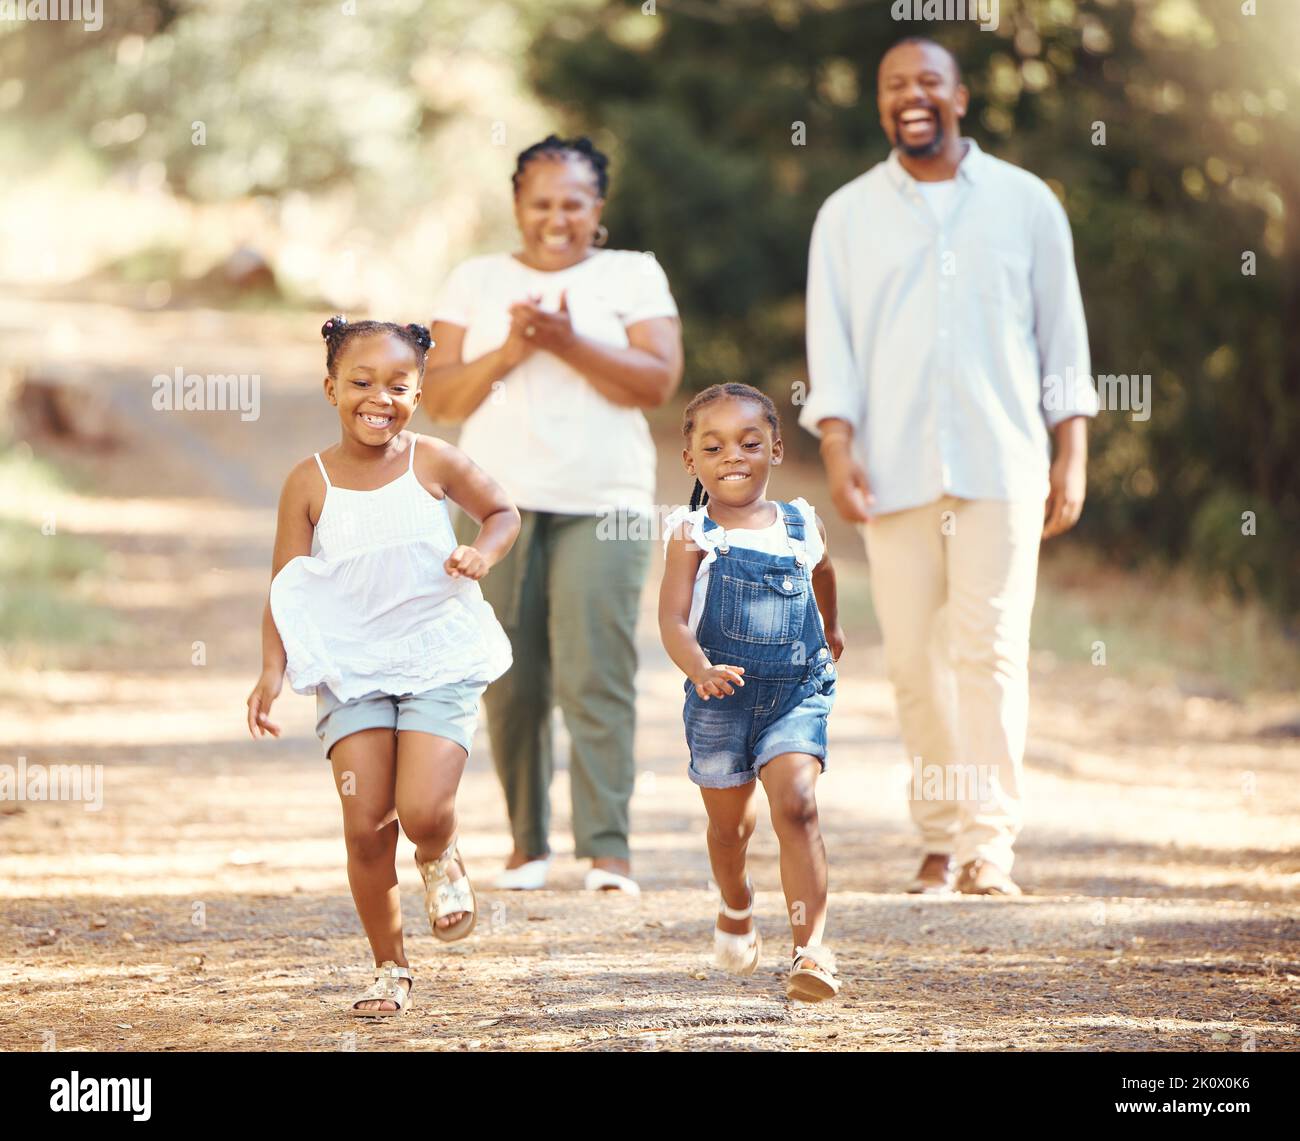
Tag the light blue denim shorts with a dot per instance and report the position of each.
(732, 738)
(449, 711)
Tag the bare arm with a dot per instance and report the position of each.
(293, 534)
(824, 590)
(1069, 476)
(850, 489)
(679, 640)
(483, 499)
(452, 388)
(645, 374)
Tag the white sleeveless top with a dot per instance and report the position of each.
(371, 609)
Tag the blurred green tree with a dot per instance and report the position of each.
(731, 122)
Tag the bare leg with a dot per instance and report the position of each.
(791, 783)
(364, 765)
(731, 824)
(429, 769)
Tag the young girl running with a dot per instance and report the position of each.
(744, 582)
(375, 608)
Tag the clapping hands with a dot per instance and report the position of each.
(539, 328)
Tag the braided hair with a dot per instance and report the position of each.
(337, 332)
(732, 391)
(555, 147)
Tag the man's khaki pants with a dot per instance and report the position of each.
(953, 585)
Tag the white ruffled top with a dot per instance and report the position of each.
(371, 609)
(772, 540)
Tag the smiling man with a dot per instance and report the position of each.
(943, 311)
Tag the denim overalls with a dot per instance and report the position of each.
(760, 613)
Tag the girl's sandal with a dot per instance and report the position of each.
(812, 983)
(738, 954)
(387, 987)
(445, 896)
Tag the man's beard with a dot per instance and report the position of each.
(925, 150)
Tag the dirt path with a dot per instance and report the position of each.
(1160, 851)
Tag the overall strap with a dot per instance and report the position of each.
(794, 531)
(320, 465)
(410, 466)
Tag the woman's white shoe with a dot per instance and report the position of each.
(526, 877)
(738, 954)
(601, 879)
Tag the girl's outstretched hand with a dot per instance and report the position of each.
(466, 562)
(264, 692)
(718, 680)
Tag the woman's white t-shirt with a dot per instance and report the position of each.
(771, 540)
(545, 434)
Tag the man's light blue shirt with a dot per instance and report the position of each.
(952, 346)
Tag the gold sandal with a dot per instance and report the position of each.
(445, 896)
(387, 987)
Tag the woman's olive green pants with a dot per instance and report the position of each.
(567, 595)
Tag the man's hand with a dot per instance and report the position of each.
(1068, 478)
(850, 489)
(717, 681)
(1069, 482)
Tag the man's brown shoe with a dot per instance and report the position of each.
(934, 876)
(979, 877)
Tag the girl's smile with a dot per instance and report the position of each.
(732, 452)
(377, 390)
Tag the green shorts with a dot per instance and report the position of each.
(449, 711)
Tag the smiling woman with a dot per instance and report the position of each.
(548, 355)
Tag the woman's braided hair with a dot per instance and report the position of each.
(732, 391)
(557, 147)
(337, 332)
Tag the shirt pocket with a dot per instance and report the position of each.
(769, 612)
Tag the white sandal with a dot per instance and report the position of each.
(387, 987)
(815, 983)
(738, 954)
(445, 896)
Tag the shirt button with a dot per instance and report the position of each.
(788, 585)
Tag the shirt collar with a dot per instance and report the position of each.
(970, 168)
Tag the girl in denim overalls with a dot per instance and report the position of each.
(747, 610)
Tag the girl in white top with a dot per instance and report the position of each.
(376, 609)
